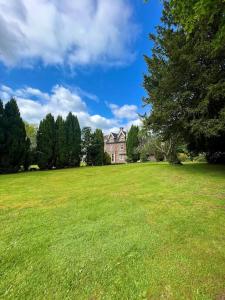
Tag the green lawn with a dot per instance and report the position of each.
(141, 231)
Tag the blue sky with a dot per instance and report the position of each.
(84, 56)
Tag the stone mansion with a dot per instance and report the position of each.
(115, 146)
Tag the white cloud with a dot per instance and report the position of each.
(66, 32)
(35, 104)
(124, 112)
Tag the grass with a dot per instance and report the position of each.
(141, 231)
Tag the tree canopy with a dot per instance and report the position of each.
(185, 85)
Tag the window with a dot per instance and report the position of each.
(112, 157)
(122, 147)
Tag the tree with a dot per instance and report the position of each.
(31, 132)
(150, 145)
(2, 136)
(87, 142)
(73, 140)
(132, 144)
(107, 159)
(93, 147)
(198, 14)
(14, 138)
(98, 148)
(60, 143)
(46, 143)
(185, 87)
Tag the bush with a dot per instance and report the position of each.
(107, 159)
(143, 156)
(182, 157)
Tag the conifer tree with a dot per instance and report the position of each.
(60, 143)
(132, 144)
(73, 140)
(2, 135)
(46, 143)
(185, 81)
(98, 148)
(15, 138)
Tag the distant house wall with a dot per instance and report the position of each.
(115, 146)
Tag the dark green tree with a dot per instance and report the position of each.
(98, 148)
(46, 143)
(185, 87)
(132, 144)
(73, 140)
(107, 159)
(14, 138)
(194, 14)
(60, 143)
(28, 157)
(2, 136)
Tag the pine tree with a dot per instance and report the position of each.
(15, 138)
(132, 144)
(98, 148)
(73, 140)
(60, 143)
(46, 143)
(2, 136)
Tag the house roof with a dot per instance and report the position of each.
(115, 135)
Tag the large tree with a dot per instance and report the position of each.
(185, 86)
(14, 138)
(46, 143)
(73, 140)
(132, 144)
(60, 143)
(93, 147)
(98, 148)
(2, 135)
(199, 14)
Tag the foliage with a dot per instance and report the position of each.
(73, 140)
(93, 147)
(2, 134)
(185, 86)
(13, 137)
(136, 231)
(183, 157)
(98, 148)
(107, 159)
(31, 132)
(46, 143)
(198, 14)
(200, 158)
(87, 142)
(132, 144)
(60, 143)
(153, 144)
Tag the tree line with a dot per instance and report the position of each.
(185, 82)
(55, 144)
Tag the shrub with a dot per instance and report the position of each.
(107, 159)
(183, 157)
